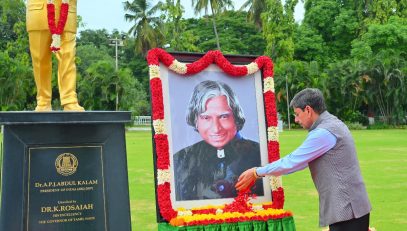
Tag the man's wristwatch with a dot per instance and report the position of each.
(255, 173)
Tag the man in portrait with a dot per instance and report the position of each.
(209, 169)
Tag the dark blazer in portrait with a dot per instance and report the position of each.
(201, 174)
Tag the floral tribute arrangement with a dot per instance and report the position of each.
(57, 29)
(240, 210)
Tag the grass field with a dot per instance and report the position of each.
(383, 160)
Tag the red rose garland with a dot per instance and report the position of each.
(55, 30)
(240, 204)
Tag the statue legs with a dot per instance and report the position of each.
(42, 65)
(67, 73)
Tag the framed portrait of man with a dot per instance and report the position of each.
(212, 126)
(215, 124)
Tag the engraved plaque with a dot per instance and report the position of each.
(66, 189)
(64, 171)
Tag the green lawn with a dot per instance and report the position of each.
(383, 160)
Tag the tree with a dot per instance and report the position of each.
(137, 64)
(382, 57)
(239, 37)
(174, 26)
(256, 8)
(16, 83)
(216, 6)
(389, 37)
(96, 38)
(380, 11)
(345, 92)
(146, 28)
(11, 12)
(88, 54)
(387, 86)
(345, 29)
(299, 75)
(16, 79)
(97, 89)
(278, 29)
(320, 15)
(308, 44)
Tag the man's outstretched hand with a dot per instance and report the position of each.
(246, 179)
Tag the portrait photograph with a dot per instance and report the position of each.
(216, 130)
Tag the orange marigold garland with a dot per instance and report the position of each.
(240, 209)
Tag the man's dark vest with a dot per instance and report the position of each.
(336, 175)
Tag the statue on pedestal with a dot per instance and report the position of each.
(51, 26)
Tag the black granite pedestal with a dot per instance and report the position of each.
(64, 171)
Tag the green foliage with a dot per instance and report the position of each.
(355, 125)
(217, 7)
(319, 14)
(11, 12)
(344, 92)
(255, 9)
(237, 36)
(174, 28)
(15, 78)
(382, 37)
(299, 75)
(381, 51)
(146, 25)
(353, 117)
(381, 10)
(88, 54)
(387, 87)
(338, 23)
(137, 64)
(99, 84)
(378, 125)
(345, 29)
(278, 29)
(308, 44)
(100, 87)
(95, 38)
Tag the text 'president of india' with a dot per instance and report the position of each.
(209, 169)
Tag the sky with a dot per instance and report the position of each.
(109, 14)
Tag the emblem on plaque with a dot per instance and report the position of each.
(66, 164)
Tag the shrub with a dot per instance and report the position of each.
(354, 125)
(379, 125)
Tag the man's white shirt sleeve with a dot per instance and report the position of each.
(317, 143)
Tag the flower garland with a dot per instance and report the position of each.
(239, 209)
(56, 30)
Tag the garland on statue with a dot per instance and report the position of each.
(240, 209)
(56, 30)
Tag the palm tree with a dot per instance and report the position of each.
(388, 86)
(217, 6)
(256, 8)
(146, 24)
(173, 10)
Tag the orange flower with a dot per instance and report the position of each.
(177, 221)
